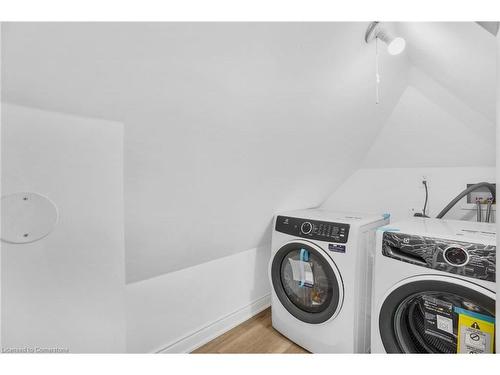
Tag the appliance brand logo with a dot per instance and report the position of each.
(337, 248)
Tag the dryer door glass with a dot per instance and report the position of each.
(305, 283)
(437, 317)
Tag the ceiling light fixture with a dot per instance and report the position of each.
(395, 45)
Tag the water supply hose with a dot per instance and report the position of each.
(488, 210)
(464, 193)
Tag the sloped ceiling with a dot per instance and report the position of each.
(225, 124)
(446, 115)
(420, 133)
(460, 56)
(228, 123)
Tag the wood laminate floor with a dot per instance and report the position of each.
(256, 335)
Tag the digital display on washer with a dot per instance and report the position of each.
(313, 229)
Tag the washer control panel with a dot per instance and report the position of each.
(447, 255)
(313, 229)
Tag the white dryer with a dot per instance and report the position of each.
(320, 271)
(434, 287)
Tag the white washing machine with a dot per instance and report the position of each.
(320, 272)
(434, 287)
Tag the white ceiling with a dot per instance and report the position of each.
(225, 124)
(420, 133)
(460, 56)
(446, 115)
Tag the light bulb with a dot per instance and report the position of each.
(396, 46)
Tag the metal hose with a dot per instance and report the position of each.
(488, 210)
(464, 193)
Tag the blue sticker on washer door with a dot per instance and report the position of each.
(336, 248)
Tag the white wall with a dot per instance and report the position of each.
(442, 127)
(182, 310)
(457, 55)
(224, 122)
(399, 191)
(430, 126)
(66, 290)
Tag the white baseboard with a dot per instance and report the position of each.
(205, 334)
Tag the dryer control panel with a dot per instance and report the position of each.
(313, 229)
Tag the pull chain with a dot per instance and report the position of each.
(377, 75)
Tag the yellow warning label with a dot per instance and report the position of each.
(475, 333)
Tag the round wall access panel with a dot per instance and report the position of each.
(27, 217)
